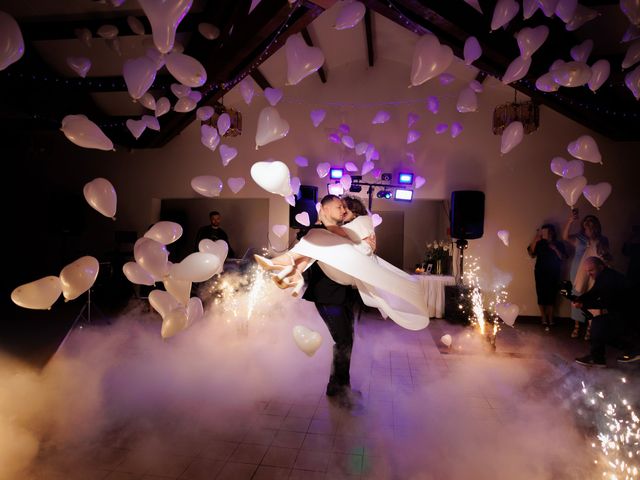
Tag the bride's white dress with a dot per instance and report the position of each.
(381, 285)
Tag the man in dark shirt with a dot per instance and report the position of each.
(334, 303)
(607, 302)
(214, 232)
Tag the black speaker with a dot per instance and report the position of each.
(306, 200)
(467, 214)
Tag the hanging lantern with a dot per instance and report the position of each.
(528, 113)
(235, 117)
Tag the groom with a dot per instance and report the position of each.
(334, 303)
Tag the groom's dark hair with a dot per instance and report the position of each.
(329, 198)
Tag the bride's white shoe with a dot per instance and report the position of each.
(287, 281)
(267, 263)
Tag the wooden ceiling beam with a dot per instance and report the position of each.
(368, 28)
(260, 79)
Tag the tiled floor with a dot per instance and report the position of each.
(430, 412)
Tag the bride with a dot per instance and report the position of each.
(345, 254)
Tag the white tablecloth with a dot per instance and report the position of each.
(433, 288)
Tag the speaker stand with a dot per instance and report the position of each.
(461, 245)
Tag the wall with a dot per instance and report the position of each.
(520, 188)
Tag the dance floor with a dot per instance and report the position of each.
(231, 399)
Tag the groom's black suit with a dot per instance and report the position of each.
(334, 303)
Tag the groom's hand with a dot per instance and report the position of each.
(371, 240)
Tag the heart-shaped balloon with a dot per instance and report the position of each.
(446, 79)
(227, 154)
(503, 13)
(207, 185)
(581, 52)
(572, 74)
(301, 161)
(581, 16)
(441, 128)
(137, 275)
(164, 232)
(135, 25)
(162, 302)
(163, 105)
(412, 118)
(347, 141)
(195, 96)
(504, 236)
(280, 230)
(317, 116)
(139, 74)
(195, 310)
(40, 294)
(208, 30)
(565, 9)
(184, 105)
(11, 41)
(472, 50)
(632, 56)
(152, 256)
(100, 194)
(290, 199)
(351, 167)
(164, 18)
(303, 219)
(108, 32)
(573, 169)
(558, 164)
(632, 81)
(433, 104)
(235, 184)
(571, 189)
(361, 148)
(273, 95)
(197, 267)
(345, 181)
(78, 276)
(420, 181)
(178, 288)
(204, 113)
(508, 312)
(209, 137)
(376, 220)
(84, 133)
(270, 126)
(599, 74)
(273, 176)
(531, 39)
(148, 101)
(302, 60)
(349, 15)
(367, 166)
(80, 65)
(381, 117)
(412, 136)
(136, 127)
(456, 129)
(516, 70)
(585, 148)
(323, 169)
(446, 340)
(295, 185)
(467, 101)
(430, 59)
(246, 90)
(219, 248)
(511, 137)
(180, 90)
(152, 123)
(306, 339)
(597, 194)
(546, 83)
(223, 123)
(334, 137)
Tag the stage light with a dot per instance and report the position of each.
(335, 188)
(355, 188)
(335, 173)
(403, 195)
(384, 194)
(386, 177)
(405, 178)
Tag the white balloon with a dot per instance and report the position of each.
(630, 34)
(195, 310)
(151, 122)
(581, 52)
(204, 113)
(349, 15)
(301, 161)
(180, 90)
(152, 256)
(223, 123)
(566, 9)
(279, 230)
(430, 59)
(632, 81)
(148, 101)
(323, 169)
(376, 220)
(548, 7)
(631, 8)
(597, 194)
(467, 101)
(632, 56)
(599, 74)
(456, 129)
(508, 312)
(472, 50)
(80, 65)
(317, 116)
(546, 83)
(580, 17)
(139, 74)
(303, 219)
(207, 185)
(165, 16)
(571, 189)
(174, 322)
(136, 127)
(516, 70)
(84, 133)
(208, 31)
(164, 232)
(412, 136)
(100, 194)
(184, 105)
(162, 106)
(38, 295)
(236, 184)
(573, 169)
(380, 117)
(78, 277)
(271, 126)
(420, 181)
(446, 340)
(531, 39)
(306, 339)
(367, 166)
(345, 181)
(295, 185)
(585, 148)
(197, 267)
(246, 90)
(529, 7)
(136, 274)
(273, 176)
(227, 154)
(503, 13)
(433, 104)
(218, 248)
(572, 74)
(302, 60)
(135, 25)
(558, 164)
(187, 70)
(178, 288)
(347, 141)
(503, 235)
(155, 56)
(511, 136)
(209, 137)
(273, 95)
(163, 302)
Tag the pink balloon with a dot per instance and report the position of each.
(503, 13)
(347, 141)
(227, 154)
(467, 101)
(162, 106)
(441, 128)
(597, 194)
(323, 169)
(516, 70)
(165, 18)
(548, 7)
(344, 129)
(599, 74)
(139, 74)
(632, 81)
(571, 189)
(420, 181)
(529, 7)
(152, 123)
(136, 127)
(273, 95)
(632, 56)
(456, 129)
(11, 41)
(581, 52)
(433, 104)
(585, 148)
(302, 60)
(349, 16)
(246, 90)
(546, 83)
(350, 167)
(204, 113)
(367, 166)
(334, 138)
(185, 104)
(223, 123)
(412, 118)
(531, 39)
(381, 117)
(80, 65)
(581, 16)
(235, 184)
(430, 59)
(472, 50)
(511, 137)
(209, 137)
(412, 136)
(566, 9)
(317, 116)
(558, 164)
(572, 74)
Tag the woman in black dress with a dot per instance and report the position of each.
(549, 254)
